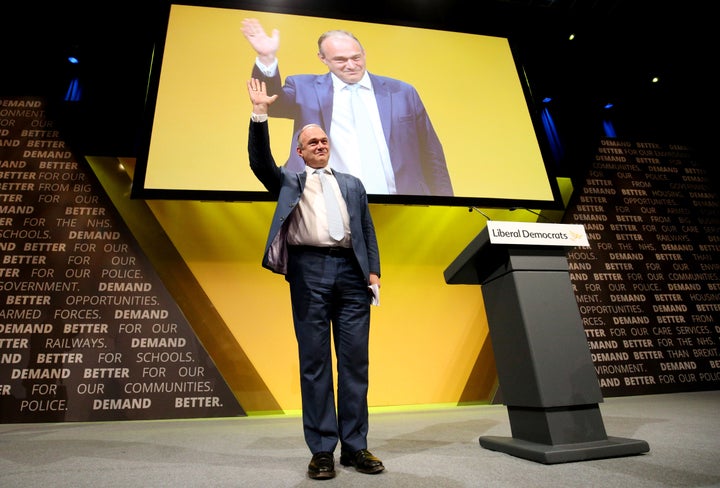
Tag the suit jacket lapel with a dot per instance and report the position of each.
(324, 93)
(302, 178)
(384, 103)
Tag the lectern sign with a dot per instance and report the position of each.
(537, 234)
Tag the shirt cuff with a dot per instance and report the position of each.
(268, 71)
(259, 117)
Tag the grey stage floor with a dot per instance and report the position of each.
(421, 449)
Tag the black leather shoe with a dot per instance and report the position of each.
(363, 461)
(322, 466)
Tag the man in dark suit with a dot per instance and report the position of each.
(408, 156)
(333, 281)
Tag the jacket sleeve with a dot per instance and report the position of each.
(368, 227)
(262, 162)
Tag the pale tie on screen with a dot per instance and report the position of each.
(335, 223)
(373, 172)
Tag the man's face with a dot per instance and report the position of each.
(344, 58)
(314, 147)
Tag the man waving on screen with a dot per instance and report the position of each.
(379, 125)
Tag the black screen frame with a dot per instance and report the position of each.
(140, 191)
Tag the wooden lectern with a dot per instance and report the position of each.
(547, 378)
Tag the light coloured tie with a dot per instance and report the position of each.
(373, 173)
(335, 223)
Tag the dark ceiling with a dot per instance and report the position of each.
(619, 46)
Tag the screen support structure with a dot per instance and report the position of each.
(545, 370)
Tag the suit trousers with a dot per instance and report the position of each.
(331, 304)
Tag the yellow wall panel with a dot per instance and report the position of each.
(425, 335)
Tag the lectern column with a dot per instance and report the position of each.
(546, 374)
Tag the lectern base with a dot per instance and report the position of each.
(565, 453)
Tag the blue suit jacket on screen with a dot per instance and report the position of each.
(416, 153)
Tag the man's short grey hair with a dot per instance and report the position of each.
(337, 33)
(300, 133)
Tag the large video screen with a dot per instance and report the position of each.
(453, 121)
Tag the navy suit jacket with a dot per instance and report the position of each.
(416, 153)
(287, 186)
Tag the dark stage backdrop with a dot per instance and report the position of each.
(648, 287)
(88, 332)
